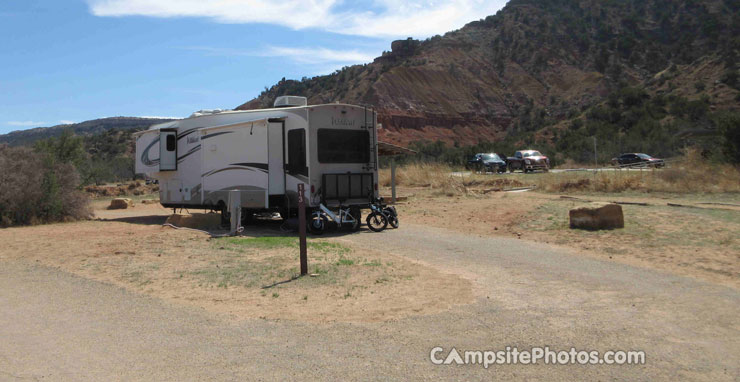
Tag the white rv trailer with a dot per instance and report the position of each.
(264, 154)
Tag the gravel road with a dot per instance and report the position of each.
(58, 327)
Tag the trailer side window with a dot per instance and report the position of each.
(343, 146)
(297, 152)
(171, 142)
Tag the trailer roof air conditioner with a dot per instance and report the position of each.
(200, 113)
(288, 101)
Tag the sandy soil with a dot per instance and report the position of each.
(62, 324)
(131, 249)
(700, 241)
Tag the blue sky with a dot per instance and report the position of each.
(64, 61)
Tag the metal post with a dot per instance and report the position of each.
(393, 181)
(235, 209)
(596, 158)
(302, 228)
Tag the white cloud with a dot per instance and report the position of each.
(310, 56)
(314, 61)
(383, 18)
(66, 122)
(26, 123)
(318, 55)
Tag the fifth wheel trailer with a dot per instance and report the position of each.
(264, 154)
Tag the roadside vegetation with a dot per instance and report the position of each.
(44, 184)
(688, 173)
(630, 120)
(39, 187)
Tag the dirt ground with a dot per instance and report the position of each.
(699, 240)
(87, 300)
(246, 277)
(255, 276)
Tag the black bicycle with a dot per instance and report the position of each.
(390, 214)
(377, 220)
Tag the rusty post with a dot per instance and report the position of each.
(302, 228)
(393, 181)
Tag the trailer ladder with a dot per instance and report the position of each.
(373, 164)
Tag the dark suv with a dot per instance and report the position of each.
(637, 159)
(487, 162)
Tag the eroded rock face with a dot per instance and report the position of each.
(120, 204)
(530, 66)
(605, 216)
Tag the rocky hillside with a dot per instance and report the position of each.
(87, 128)
(535, 63)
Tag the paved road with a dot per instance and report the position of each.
(58, 327)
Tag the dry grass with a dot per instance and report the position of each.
(439, 178)
(432, 175)
(690, 174)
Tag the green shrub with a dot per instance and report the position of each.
(34, 188)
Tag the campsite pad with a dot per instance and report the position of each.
(243, 277)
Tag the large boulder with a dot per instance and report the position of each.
(604, 216)
(120, 204)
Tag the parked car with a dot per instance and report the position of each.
(637, 159)
(488, 162)
(528, 160)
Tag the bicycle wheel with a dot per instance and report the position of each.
(317, 225)
(376, 222)
(392, 217)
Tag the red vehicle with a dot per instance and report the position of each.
(528, 160)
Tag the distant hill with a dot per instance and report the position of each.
(87, 128)
(537, 63)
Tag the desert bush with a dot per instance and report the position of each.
(36, 189)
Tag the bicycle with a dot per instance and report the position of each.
(346, 216)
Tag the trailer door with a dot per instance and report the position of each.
(168, 150)
(275, 160)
